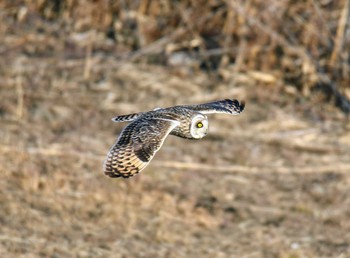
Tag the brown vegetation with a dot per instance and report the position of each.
(272, 182)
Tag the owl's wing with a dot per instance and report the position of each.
(136, 146)
(228, 106)
(127, 118)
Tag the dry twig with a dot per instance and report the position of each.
(340, 33)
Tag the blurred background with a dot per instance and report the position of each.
(272, 182)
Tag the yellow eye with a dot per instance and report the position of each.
(199, 125)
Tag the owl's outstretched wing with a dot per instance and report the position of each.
(136, 146)
(127, 118)
(228, 106)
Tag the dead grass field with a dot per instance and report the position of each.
(272, 182)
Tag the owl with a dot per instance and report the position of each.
(146, 132)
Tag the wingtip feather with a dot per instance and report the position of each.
(239, 104)
(242, 105)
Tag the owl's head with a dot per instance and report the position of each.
(199, 126)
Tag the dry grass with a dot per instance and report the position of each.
(273, 182)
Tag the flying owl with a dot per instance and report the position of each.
(143, 137)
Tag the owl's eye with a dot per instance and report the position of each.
(199, 125)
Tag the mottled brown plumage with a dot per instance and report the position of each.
(136, 146)
(143, 137)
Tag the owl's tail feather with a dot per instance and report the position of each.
(126, 118)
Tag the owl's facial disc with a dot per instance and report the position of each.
(199, 126)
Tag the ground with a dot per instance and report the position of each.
(271, 182)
